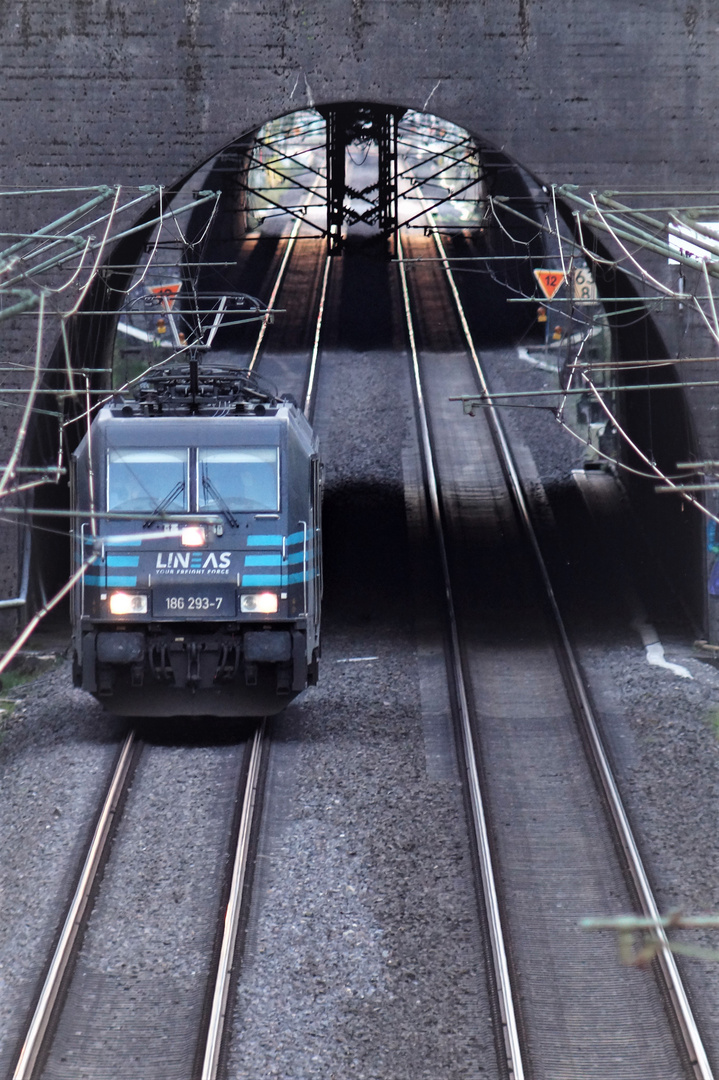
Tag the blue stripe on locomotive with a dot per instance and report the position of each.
(110, 580)
(277, 579)
(99, 577)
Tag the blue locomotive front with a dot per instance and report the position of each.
(204, 521)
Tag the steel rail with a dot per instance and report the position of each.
(291, 240)
(308, 406)
(74, 921)
(59, 966)
(673, 983)
(225, 968)
(218, 1009)
(275, 290)
(509, 395)
(491, 897)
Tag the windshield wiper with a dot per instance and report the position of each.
(209, 487)
(167, 501)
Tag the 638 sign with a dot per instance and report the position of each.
(583, 286)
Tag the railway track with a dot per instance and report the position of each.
(554, 984)
(62, 1037)
(36, 1038)
(649, 1028)
(549, 849)
(52, 1017)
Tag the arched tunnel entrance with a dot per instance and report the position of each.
(353, 185)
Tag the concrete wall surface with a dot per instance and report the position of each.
(615, 92)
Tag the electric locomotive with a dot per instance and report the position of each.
(197, 505)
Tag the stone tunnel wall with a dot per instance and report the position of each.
(613, 93)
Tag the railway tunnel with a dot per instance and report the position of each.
(531, 95)
(319, 207)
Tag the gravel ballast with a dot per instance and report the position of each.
(661, 730)
(363, 954)
(136, 997)
(57, 750)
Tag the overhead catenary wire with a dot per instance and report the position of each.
(633, 229)
(25, 262)
(8, 471)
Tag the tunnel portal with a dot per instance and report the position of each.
(351, 179)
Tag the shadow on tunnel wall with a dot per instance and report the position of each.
(660, 423)
(90, 344)
(90, 339)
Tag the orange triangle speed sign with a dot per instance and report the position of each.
(167, 293)
(550, 281)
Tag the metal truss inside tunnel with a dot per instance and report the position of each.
(374, 168)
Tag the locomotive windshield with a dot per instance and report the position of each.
(155, 481)
(147, 481)
(244, 479)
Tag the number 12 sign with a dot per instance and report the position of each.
(549, 281)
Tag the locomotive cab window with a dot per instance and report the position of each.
(242, 479)
(147, 481)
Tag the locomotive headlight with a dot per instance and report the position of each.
(122, 603)
(193, 536)
(263, 603)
